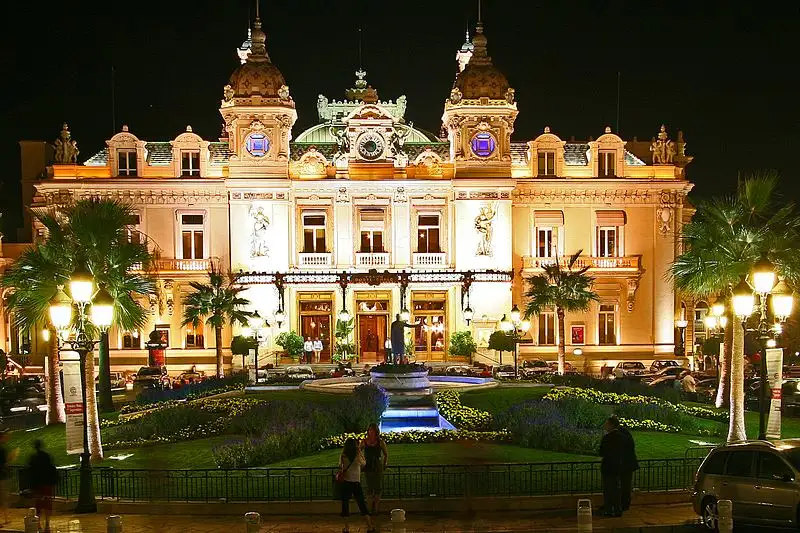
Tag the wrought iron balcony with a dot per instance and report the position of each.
(173, 265)
(372, 259)
(631, 264)
(428, 260)
(309, 260)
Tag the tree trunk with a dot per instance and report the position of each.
(736, 429)
(220, 360)
(93, 420)
(106, 400)
(724, 386)
(54, 397)
(561, 342)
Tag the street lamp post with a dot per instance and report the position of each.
(515, 326)
(680, 349)
(255, 322)
(715, 324)
(101, 315)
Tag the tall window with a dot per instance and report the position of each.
(546, 242)
(607, 245)
(126, 162)
(547, 328)
(428, 234)
(371, 231)
(133, 231)
(607, 333)
(547, 163)
(314, 233)
(192, 242)
(700, 313)
(606, 163)
(194, 337)
(190, 163)
(131, 340)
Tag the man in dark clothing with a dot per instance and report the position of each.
(612, 453)
(629, 465)
(398, 333)
(43, 479)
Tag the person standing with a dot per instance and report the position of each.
(43, 479)
(317, 349)
(387, 345)
(611, 465)
(376, 456)
(308, 349)
(689, 386)
(349, 479)
(630, 464)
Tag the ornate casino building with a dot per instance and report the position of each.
(367, 213)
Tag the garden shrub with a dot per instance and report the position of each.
(544, 426)
(619, 386)
(422, 437)
(364, 407)
(192, 391)
(461, 416)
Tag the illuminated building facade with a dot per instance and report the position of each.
(367, 213)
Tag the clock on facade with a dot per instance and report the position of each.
(257, 144)
(483, 144)
(370, 145)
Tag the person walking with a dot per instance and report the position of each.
(317, 349)
(43, 479)
(611, 465)
(308, 350)
(349, 480)
(376, 456)
(630, 464)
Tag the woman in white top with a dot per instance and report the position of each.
(317, 349)
(350, 463)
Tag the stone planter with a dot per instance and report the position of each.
(408, 382)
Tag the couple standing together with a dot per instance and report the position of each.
(370, 456)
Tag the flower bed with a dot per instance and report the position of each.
(461, 416)
(420, 437)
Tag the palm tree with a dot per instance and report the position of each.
(725, 237)
(565, 289)
(97, 234)
(218, 302)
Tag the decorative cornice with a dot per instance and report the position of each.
(633, 195)
(137, 197)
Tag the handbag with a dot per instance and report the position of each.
(338, 481)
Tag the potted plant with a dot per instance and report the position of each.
(463, 345)
(292, 344)
(344, 349)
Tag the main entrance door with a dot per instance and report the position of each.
(315, 321)
(372, 326)
(430, 308)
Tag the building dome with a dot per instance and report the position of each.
(257, 76)
(480, 78)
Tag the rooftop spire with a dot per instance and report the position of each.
(258, 51)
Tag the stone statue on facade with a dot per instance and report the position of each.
(455, 95)
(66, 148)
(510, 95)
(323, 111)
(398, 139)
(400, 107)
(227, 93)
(483, 224)
(258, 235)
(342, 141)
(663, 148)
(283, 92)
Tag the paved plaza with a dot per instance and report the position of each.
(562, 520)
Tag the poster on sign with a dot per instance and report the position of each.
(73, 404)
(775, 381)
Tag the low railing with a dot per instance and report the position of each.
(430, 260)
(372, 259)
(400, 482)
(181, 265)
(627, 263)
(315, 260)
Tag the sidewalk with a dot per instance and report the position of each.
(639, 518)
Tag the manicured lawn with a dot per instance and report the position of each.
(502, 397)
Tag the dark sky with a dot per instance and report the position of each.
(725, 76)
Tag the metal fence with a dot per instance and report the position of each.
(400, 482)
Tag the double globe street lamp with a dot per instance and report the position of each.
(744, 305)
(255, 323)
(73, 337)
(514, 327)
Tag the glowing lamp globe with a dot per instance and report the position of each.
(81, 285)
(344, 315)
(718, 309)
(280, 317)
(681, 324)
(255, 321)
(723, 322)
(525, 325)
(61, 310)
(711, 321)
(771, 343)
(103, 310)
(515, 314)
(405, 315)
(505, 324)
(763, 275)
(46, 335)
(782, 301)
(743, 299)
(468, 314)
(247, 332)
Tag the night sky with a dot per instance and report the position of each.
(727, 78)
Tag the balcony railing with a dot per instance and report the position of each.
(169, 264)
(425, 260)
(631, 263)
(315, 260)
(372, 259)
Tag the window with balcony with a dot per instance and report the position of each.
(131, 340)
(547, 328)
(545, 243)
(190, 162)
(428, 234)
(126, 163)
(607, 323)
(546, 226)
(194, 337)
(372, 231)
(607, 242)
(608, 235)
(314, 233)
(606, 163)
(547, 163)
(192, 237)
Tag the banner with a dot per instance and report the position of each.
(73, 405)
(775, 380)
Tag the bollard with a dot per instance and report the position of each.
(31, 521)
(398, 521)
(725, 516)
(252, 522)
(114, 524)
(584, 515)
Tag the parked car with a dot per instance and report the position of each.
(482, 370)
(150, 377)
(671, 372)
(568, 367)
(660, 364)
(23, 399)
(628, 369)
(458, 370)
(190, 377)
(759, 477)
(505, 372)
(118, 380)
(534, 367)
(302, 372)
